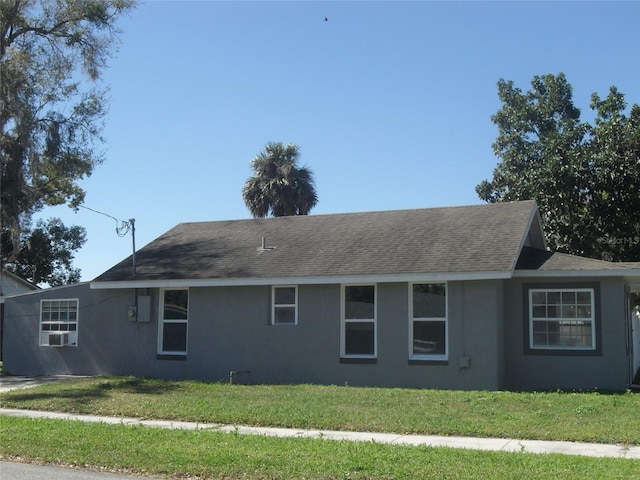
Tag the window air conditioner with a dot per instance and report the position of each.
(58, 339)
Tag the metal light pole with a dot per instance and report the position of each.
(132, 222)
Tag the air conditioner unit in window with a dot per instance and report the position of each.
(58, 339)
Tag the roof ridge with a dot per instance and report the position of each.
(366, 212)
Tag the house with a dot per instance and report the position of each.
(454, 298)
(11, 284)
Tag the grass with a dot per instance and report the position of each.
(588, 417)
(208, 454)
(594, 417)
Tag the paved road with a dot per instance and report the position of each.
(27, 471)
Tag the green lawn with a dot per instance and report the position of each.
(588, 417)
(593, 417)
(215, 455)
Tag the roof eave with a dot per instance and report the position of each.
(623, 272)
(39, 291)
(325, 280)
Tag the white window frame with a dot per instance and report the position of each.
(68, 338)
(445, 319)
(275, 306)
(162, 321)
(344, 321)
(591, 319)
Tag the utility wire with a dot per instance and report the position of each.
(122, 226)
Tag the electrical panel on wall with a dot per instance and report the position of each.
(144, 308)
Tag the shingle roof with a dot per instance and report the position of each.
(478, 238)
(542, 260)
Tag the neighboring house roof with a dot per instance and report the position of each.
(479, 241)
(11, 284)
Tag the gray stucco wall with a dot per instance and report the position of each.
(235, 323)
(108, 343)
(229, 330)
(607, 369)
(476, 314)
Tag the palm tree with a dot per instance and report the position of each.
(279, 187)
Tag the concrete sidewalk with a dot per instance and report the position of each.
(495, 444)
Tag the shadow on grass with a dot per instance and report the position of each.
(77, 396)
(138, 385)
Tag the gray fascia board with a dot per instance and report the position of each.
(632, 279)
(623, 272)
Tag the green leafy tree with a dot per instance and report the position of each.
(279, 186)
(52, 53)
(584, 177)
(46, 253)
(613, 150)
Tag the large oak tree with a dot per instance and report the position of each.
(585, 177)
(52, 54)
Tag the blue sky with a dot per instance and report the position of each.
(390, 102)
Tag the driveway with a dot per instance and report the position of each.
(10, 382)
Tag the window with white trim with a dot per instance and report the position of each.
(59, 322)
(358, 339)
(174, 316)
(284, 305)
(428, 321)
(562, 319)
